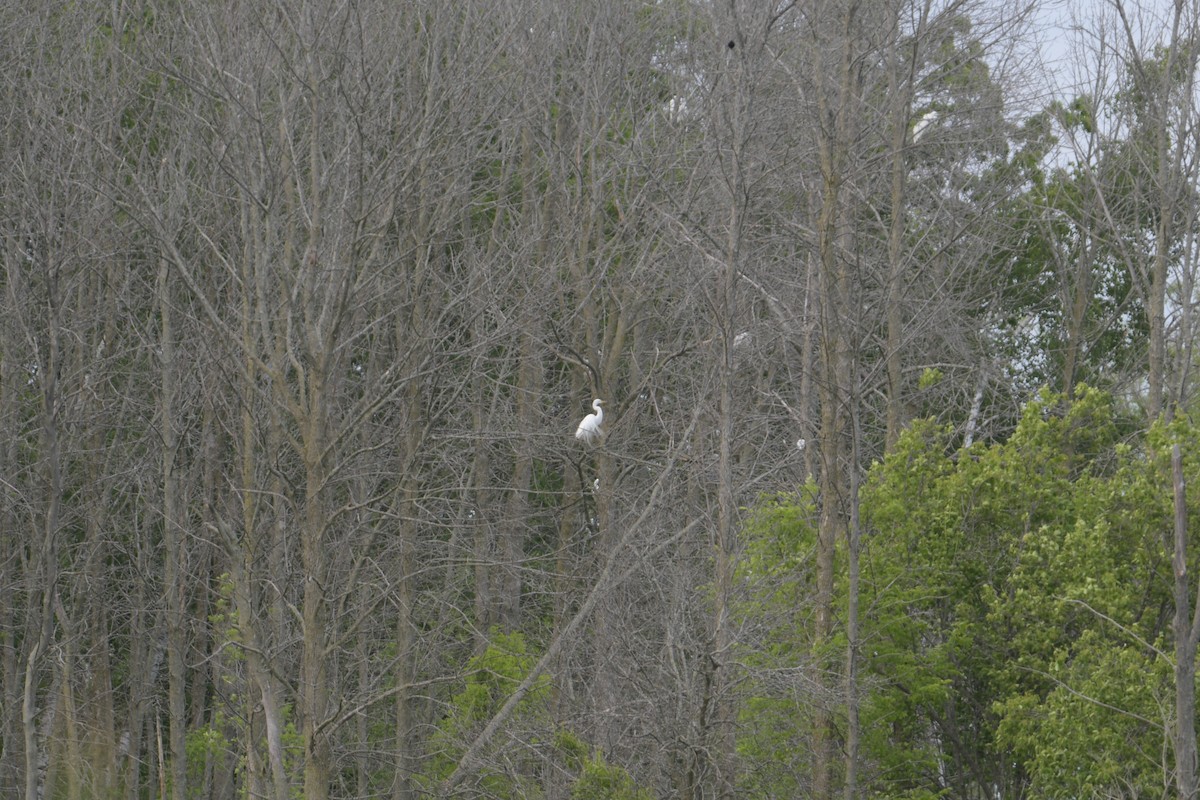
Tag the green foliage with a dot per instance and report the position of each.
(931, 376)
(571, 748)
(216, 746)
(492, 677)
(224, 617)
(1079, 113)
(204, 746)
(1016, 602)
(596, 779)
(1056, 254)
(600, 780)
(782, 541)
(777, 574)
(949, 533)
(1090, 686)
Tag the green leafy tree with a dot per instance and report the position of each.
(1090, 695)
(988, 630)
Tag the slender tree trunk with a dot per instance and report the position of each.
(29, 724)
(142, 665)
(402, 787)
(246, 551)
(314, 672)
(1078, 291)
(1165, 229)
(1187, 631)
(853, 640)
(829, 524)
(43, 578)
(512, 545)
(720, 656)
(896, 284)
(11, 689)
(71, 762)
(835, 109)
(173, 588)
(405, 647)
(723, 542)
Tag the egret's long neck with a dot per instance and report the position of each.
(599, 412)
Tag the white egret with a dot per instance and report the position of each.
(590, 430)
(924, 122)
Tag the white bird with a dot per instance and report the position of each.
(590, 430)
(930, 117)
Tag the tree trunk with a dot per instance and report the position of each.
(173, 584)
(853, 728)
(1187, 632)
(896, 284)
(404, 717)
(314, 672)
(835, 107)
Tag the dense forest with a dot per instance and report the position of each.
(897, 492)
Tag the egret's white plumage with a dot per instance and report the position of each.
(930, 117)
(590, 428)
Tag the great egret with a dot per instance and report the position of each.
(589, 430)
(924, 122)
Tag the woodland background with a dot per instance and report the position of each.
(302, 301)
